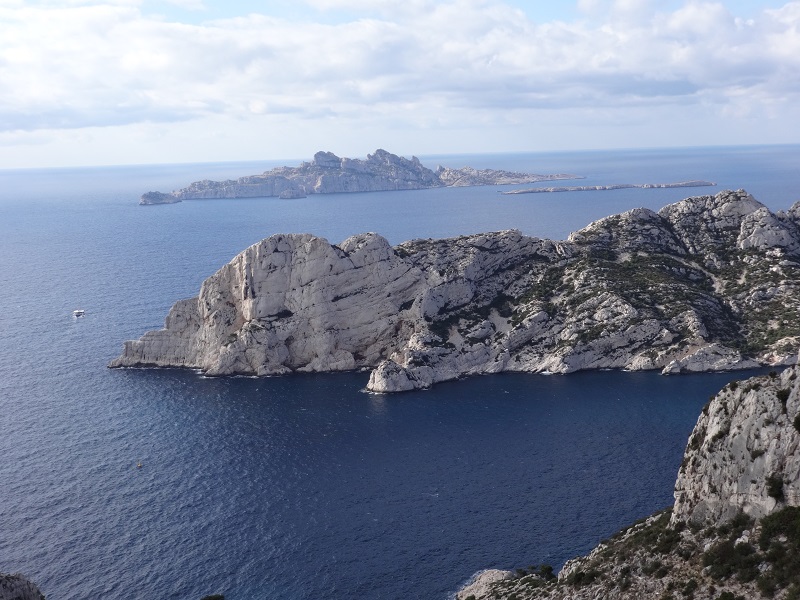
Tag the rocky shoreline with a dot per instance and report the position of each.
(706, 284)
(330, 174)
(733, 533)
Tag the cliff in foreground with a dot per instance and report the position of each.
(328, 174)
(709, 283)
(734, 532)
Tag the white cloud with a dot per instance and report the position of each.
(428, 65)
(188, 4)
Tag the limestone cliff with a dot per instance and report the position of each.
(734, 531)
(708, 283)
(18, 587)
(328, 174)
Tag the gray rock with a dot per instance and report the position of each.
(703, 285)
(745, 436)
(18, 587)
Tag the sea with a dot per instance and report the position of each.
(125, 484)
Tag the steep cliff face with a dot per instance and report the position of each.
(744, 453)
(329, 174)
(709, 283)
(734, 531)
(290, 302)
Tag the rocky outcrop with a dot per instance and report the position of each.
(734, 531)
(18, 587)
(708, 283)
(158, 198)
(329, 174)
(744, 453)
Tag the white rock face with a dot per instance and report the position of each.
(744, 452)
(682, 290)
(480, 585)
(290, 302)
(713, 357)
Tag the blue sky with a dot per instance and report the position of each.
(146, 81)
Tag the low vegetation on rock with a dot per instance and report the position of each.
(706, 284)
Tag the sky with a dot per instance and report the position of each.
(92, 82)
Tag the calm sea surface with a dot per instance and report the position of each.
(304, 487)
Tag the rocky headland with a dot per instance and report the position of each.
(706, 284)
(733, 533)
(330, 174)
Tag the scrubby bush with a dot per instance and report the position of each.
(775, 486)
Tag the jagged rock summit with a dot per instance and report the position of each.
(734, 532)
(329, 174)
(708, 283)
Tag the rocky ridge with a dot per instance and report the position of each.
(734, 532)
(329, 174)
(708, 283)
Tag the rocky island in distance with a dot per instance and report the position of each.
(328, 174)
(709, 283)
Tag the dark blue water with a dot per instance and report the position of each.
(304, 487)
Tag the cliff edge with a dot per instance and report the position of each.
(709, 283)
(734, 532)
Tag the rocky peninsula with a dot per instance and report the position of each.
(733, 533)
(709, 283)
(330, 174)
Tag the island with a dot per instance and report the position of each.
(733, 532)
(709, 283)
(329, 174)
(616, 186)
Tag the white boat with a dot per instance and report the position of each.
(78, 313)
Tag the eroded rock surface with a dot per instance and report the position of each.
(744, 453)
(709, 283)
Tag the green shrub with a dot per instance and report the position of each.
(729, 596)
(580, 578)
(724, 559)
(783, 396)
(775, 486)
(546, 572)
